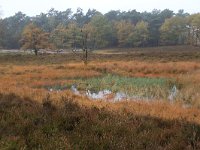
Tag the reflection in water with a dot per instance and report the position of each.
(115, 97)
(108, 95)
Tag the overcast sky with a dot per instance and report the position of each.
(35, 7)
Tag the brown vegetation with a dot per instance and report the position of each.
(33, 118)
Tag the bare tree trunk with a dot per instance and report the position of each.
(193, 36)
(86, 57)
(36, 52)
(196, 38)
(188, 38)
(85, 49)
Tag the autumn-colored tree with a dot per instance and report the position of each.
(59, 37)
(194, 29)
(141, 34)
(103, 30)
(125, 32)
(74, 36)
(90, 31)
(174, 31)
(34, 38)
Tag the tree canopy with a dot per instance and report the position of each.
(34, 38)
(112, 29)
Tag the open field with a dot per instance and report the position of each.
(38, 110)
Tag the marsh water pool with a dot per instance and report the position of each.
(117, 88)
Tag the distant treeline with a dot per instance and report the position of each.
(65, 29)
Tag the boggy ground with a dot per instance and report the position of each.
(32, 117)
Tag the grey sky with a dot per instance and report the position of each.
(35, 7)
